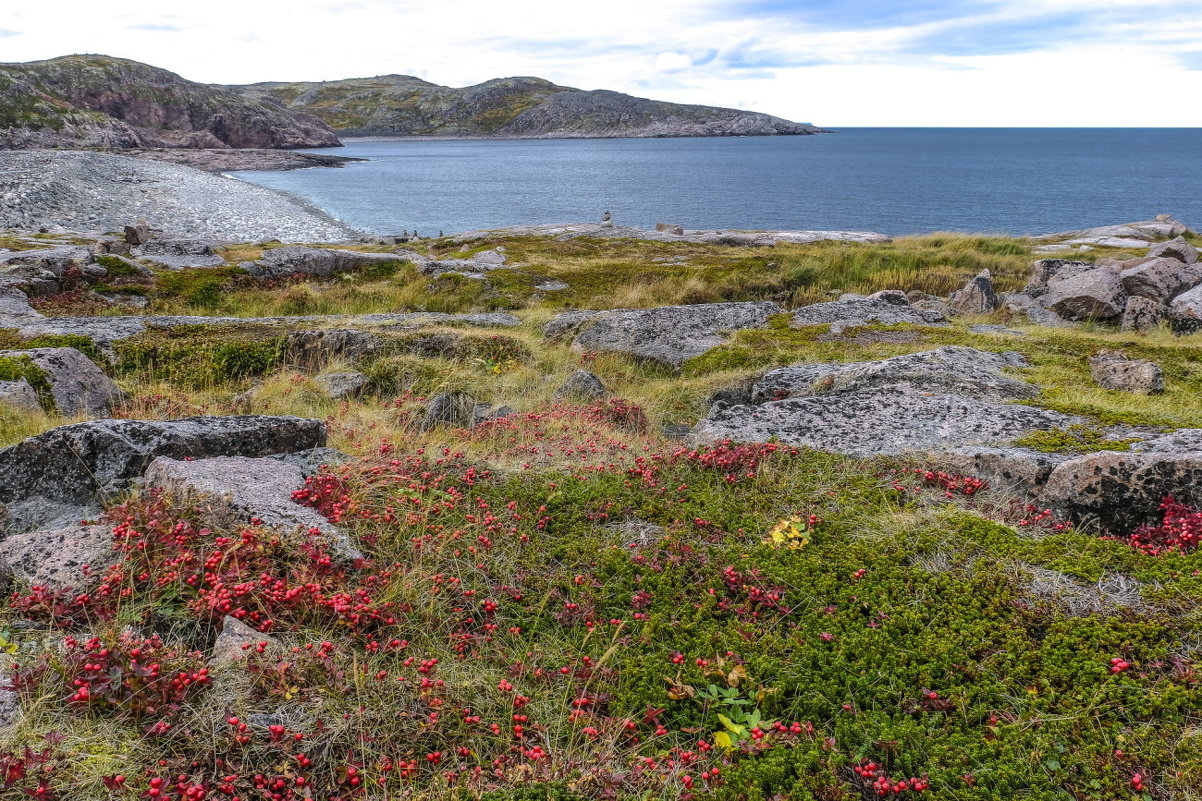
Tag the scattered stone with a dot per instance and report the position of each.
(76, 383)
(343, 385)
(456, 409)
(669, 335)
(72, 558)
(1160, 279)
(977, 297)
(583, 386)
(19, 395)
(64, 475)
(137, 234)
(1095, 294)
(1112, 369)
(234, 641)
(1177, 249)
(856, 311)
(670, 228)
(1143, 314)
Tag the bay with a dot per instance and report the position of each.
(897, 181)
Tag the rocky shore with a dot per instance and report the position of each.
(231, 160)
(87, 191)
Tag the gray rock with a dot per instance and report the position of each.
(137, 234)
(485, 413)
(65, 474)
(1143, 314)
(15, 310)
(320, 262)
(1016, 469)
(235, 641)
(457, 409)
(568, 231)
(76, 383)
(10, 704)
(977, 297)
(310, 461)
(670, 228)
(669, 335)
(584, 386)
(991, 328)
(950, 370)
(1111, 369)
(1028, 306)
(566, 325)
(54, 260)
(1047, 271)
(247, 489)
(315, 349)
(19, 395)
(1121, 491)
(179, 254)
(1160, 279)
(1177, 249)
(71, 558)
(343, 385)
(1185, 312)
(551, 286)
(864, 311)
(1096, 294)
(883, 420)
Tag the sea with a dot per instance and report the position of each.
(897, 181)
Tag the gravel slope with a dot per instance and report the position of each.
(100, 191)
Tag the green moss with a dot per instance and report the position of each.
(1074, 439)
(200, 356)
(117, 267)
(15, 368)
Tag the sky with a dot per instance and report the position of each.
(1038, 63)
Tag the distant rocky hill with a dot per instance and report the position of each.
(98, 101)
(401, 105)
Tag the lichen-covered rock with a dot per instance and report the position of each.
(15, 310)
(854, 310)
(1111, 369)
(1095, 294)
(71, 558)
(1121, 491)
(1029, 306)
(63, 475)
(235, 641)
(952, 370)
(669, 335)
(179, 254)
(344, 384)
(883, 420)
(1017, 469)
(566, 325)
(582, 386)
(1160, 279)
(314, 349)
(20, 395)
(457, 409)
(977, 297)
(1143, 314)
(246, 489)
(320, 262)
(1185, 312)
(1177, 249)
(76, 383)
(1047, 271)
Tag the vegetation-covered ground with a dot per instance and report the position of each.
(569, 604)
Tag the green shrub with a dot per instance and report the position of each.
(199, 356)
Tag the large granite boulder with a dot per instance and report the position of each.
(977, 296)
(1095, 294)
(246, 489)
(952, 370)
(77, 385)
(1112, 369)
(883, 420)
(1143, 314)
(64, 475)
(669, 335)
(318, 262)
(853, 310)
(1185, 312)
(1123, 490)
(1160, 279)
(1177, 249)
(1048, 271)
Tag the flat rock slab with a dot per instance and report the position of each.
(71, 558)
(881, 421)
(15, 310)
(949, 370)
(76, 383)
(246, 488)
(68, 472)
(865, 311)
(717, 237)
(669, 335)
(319, 262)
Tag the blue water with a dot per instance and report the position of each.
(894, 180)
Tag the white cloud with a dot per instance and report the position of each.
(1124, 71)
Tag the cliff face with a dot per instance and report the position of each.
(97, 101)
(402, 105)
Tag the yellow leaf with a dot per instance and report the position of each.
(722, 740)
